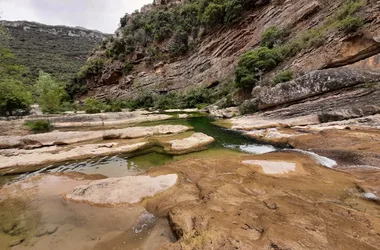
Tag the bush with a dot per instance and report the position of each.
(283, 76)
(194, 97)
(234, 10)
(14, 98)
(92, 66)
(349, 9)
(114, 106)
(253, 64)
(248, 107)
(50, 93)
(178, 45)
(167, 101)
(128, 67)
(272, 37)
(213, 15)
(39, 126)
(92, 106)
(350, 24)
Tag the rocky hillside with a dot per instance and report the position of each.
(58, 50)
(177, 45)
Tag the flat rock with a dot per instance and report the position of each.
(193, 143)
(78, 152)
(136, 132)
(67, 138)
(125, 190)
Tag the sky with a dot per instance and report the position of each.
(102, 15)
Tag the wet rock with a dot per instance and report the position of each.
(126, 190)
(195, 142)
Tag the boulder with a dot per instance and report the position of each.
(125, 190)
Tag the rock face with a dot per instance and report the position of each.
(315, 83)
(126, 190)
(215, 58)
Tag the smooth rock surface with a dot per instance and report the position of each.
(126, 190)
(79, 152)
(193, 143)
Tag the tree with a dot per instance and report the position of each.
(50, 93)
(253, 64)
(14, 97)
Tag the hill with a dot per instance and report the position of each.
(58, 50)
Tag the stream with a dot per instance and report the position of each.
(40, 219)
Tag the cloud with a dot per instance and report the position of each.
(93, 14)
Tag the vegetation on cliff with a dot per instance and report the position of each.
(57, 50)
(182, 26)
(274, 50)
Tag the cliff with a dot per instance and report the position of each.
(59, 50)
(317, 35)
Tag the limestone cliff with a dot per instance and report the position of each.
(214, 56)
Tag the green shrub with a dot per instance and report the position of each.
(114, 106)
(283, 76)
(50, 93)
(272, 37)
(253, 64)
(69, 106)
(233, 11)
(350, 24)
(14, 97)
(248, 107)
(179, 43)
(92, 106)
(127, 68)
(194, 97)
(213, 15)
(39, 126)
(92, 66)
(167, 101)
(349, 9)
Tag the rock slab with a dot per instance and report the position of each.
(125, 190)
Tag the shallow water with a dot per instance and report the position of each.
(226, 141)
(81, 226)
(31, 207)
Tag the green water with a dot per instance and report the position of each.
(226, 142)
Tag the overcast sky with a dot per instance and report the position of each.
(103, 15)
